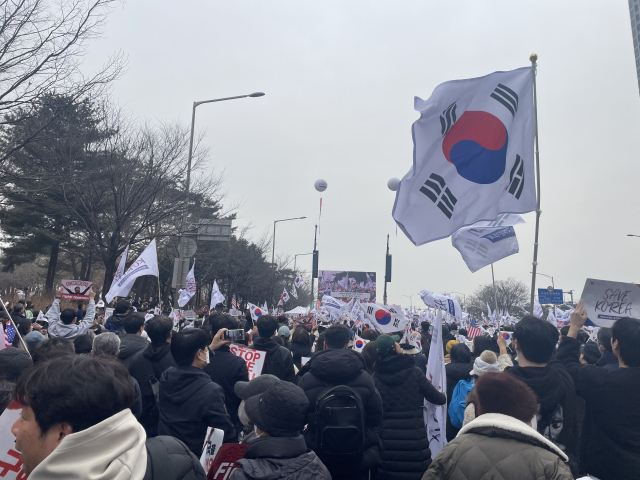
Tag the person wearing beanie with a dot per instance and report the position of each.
(500, 441)
(447, 350)
(403, 388)
(246, 390)
(33, 339)
(283, 334)
(280, 451)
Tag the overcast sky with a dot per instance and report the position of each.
(340, 78)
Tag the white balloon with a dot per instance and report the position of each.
(320, 185)
(393, 184)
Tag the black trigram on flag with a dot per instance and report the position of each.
(448, 118)
(516, 178)
(477, 248)
(436, 189)
(506, 97)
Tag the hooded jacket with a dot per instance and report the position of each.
(278, 361)
(59, 329)
(190, 403)
(498, 446)
(113, 449)
(328, 368)
(147, 369)
(298, 350)
(115, 323)
(610, 440)
(130, 346)
(404, 388)
(455, 373)
(557, 419)
(608, 360)
(280, 458)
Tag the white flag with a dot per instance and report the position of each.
(537, 308)
(298, 281)
(145, 264)
(256, 312)
(285, 295)
(294, 292)
(359, 344)
(444, 302)
(265, 309)
(118, 275)
(385, 319)
(216, 296)
(435, 415)
(189, 289)
(551, 318)
(473, 156)
(485, 242)
(332, 304)
(489, 314)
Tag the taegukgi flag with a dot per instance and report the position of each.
(285, 295)
(256, 312)
(486, 242)
(435, 416)
(472, 156)
(118, 275)
(385, 319)
(145, 264)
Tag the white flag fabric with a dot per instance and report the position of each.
(332, 304)
(285, 295)
(385, 319)
(551, 318)
(256, 312)
(294, 292)
(118, 275)
(359, 344)
(189, 289)
(145, 264)
(537, 308)
(265, 308)
(435, 416)
(216, 296)
(473, 156)
(298, 282)
(489, 314)
(444, 302)
(484, 243)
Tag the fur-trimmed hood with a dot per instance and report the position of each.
(496, 424)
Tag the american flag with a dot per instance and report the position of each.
(473, 330)
(234, 304)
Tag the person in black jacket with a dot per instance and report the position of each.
(457, 370)
(336, 365)
(403, 388)
(535, 342)
(189, 401)
(131, 342)
(278, 361)
(225, 368)
(147, 368)
(300, 345)
(610, 442)
(608, 360)
(115, 323)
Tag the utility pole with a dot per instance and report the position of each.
(387, 273)
(314, 267)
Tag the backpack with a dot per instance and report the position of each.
(458, 403)
(170, 459)
(340, 426)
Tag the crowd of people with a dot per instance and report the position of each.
(133, 395)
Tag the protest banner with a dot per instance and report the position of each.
(10, 461)
(108, 312)
(76, 290)
(225, 461)
(253, 358)
(212, 443)
(189, 315)
(606, 301)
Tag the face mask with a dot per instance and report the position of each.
(255, 429)
(243, 416)
(207, 354)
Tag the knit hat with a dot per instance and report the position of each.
(13, 362)
(280, 411)
(486, 362)
(450, 345)
(256, 386)
(284, 331)
(384, 344)
(33, 339)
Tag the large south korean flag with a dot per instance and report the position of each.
(472, 156)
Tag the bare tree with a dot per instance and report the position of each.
(42, 43)
(509, 294)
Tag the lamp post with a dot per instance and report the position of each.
(180, 274)
(548, 276)
(410, 299)
(295, 258)
(273, 251)
(464, 297)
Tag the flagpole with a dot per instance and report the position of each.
(495, 297)
(14, 327)
(534, 59)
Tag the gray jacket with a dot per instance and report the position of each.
(59, 329)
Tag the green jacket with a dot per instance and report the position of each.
(499, 447)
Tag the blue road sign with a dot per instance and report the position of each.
(554, 296)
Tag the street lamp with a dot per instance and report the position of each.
(295, 258)
(548, 276)
(180, 274)
(410, 297)
(273, 251)
(464, 297)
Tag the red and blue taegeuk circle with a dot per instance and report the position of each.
(477, 145)
(382, 317)
(359, 343)
(257, 312)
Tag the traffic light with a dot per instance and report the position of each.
(387, 271)
(315, 264)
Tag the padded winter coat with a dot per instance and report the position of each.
(501, 448)
(455, 373)
(403, 388)
(170, 459)
(278, 361)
